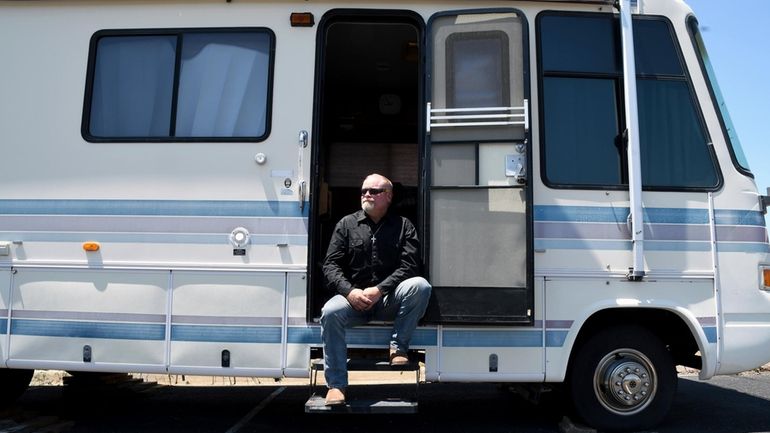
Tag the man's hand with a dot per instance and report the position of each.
(359, 301)
(373, 293)
(363, 300)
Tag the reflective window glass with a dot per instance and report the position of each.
(584, 44)
(583, 106)
(654, 49)
(673, 145)
(477, 69)
(132, 87)
(731, 135)
(581, 130)
(223, 85)
(218, 88)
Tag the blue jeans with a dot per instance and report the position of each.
(404, 307)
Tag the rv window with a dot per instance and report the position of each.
(477, 69)
(132, 86)
(222, 81)
(578, 44)
(581, 79)
(587, 113)
(654, 49)
(728, 129)
(477, 62)
(673, 140)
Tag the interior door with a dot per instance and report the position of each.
(478, 199)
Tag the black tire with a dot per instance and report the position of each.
(13, 383)
(643, 380)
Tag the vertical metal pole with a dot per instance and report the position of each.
(636, 272)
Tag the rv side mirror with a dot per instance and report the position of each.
(764, 201)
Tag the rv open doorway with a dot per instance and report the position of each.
(367, 120)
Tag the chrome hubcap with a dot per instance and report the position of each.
(625, 381)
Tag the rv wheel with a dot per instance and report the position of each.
(622, 379)
(13, 383)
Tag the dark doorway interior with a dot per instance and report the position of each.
(367, 121)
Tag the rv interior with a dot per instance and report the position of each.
(368, 116)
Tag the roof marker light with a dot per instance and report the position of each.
(302, 19)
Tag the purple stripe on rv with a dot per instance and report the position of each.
(652, 232)
(88, 315)
(226, 320)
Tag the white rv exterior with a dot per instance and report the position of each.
(169, 252)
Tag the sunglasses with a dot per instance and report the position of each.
(372, 191)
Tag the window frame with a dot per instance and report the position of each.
(618, 79)
(690, 22)
(179, 33)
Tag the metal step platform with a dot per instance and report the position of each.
(370, 404)
(317, 404)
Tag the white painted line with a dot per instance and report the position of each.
(255, 411)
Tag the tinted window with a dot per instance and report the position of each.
(673, 144)
(223, 85)
(578, 45)
(477, 69)
(222, 81)
(731, 136)
(133, 84)
(583, 106)
(654, 49)
(581, 132)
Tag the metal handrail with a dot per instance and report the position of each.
(499, 116)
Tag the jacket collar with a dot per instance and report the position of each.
(361, 216)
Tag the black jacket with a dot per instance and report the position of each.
(354, 260)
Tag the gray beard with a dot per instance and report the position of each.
(367, 206)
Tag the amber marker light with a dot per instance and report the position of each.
(91, 246)
(766, 278)
(302, 19)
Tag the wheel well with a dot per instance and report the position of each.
(666, 325)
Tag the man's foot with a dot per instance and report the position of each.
(335, 397)
(398, 358)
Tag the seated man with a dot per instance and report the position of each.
(372, 264)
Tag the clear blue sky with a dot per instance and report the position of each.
(737, 38)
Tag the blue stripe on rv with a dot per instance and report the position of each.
(598, 244)
(555, 338)
(183, 238)
(77, 329)
(3, 326)
(226, 334)
(228, 208)
(458, 338)
(597, 214)
(711, 333)
(363, 336)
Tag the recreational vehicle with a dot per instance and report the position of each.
(172, 172)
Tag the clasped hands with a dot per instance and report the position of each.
(363, 300)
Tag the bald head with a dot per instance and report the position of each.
(380, 180)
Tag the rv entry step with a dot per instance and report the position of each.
(367, 404)
(317, 404)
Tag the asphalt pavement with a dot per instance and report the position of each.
(725, 404)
